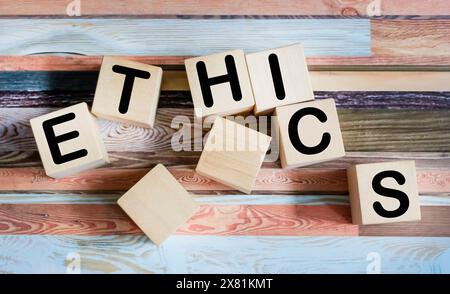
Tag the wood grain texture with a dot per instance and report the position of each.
(92, 63)
(150, 8)
(110, 197)
(411, 37)
(92, 219)
(424, 160)
(176, 80)
(362, 129)
(182, 99)
(341, 37)
(435, 222)
(322, 181)
(219, 254)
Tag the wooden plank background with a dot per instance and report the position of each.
(388, 74)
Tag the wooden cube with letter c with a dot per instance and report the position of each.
(127, 91)
(383, 192)
(279, 77)
(220, 84)
(309, 133)
(69, 141)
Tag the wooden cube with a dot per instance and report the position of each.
(220, 84)
(127, 92)
(383, 192)
(69, 141)
(279, 77)
(233, 154)
(309, 133)
(158, 204)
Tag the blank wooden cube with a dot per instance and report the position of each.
(279, 77)
(220, 84)
(383, 192)
(309, 133)
(233, 154)
(69, 141)
(158, 204)
(127, 92)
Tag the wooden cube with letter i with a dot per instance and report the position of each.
(127, 91)
(383, 192)
(69, 141)
(279, 77)
(220, 84)
(309, 133)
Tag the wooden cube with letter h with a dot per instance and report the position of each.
(383, 192)
(127, 91)
(69, 141)
(309, 133)
(233, 154)
(220, 84)
(279, 77)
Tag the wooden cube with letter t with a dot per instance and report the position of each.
(279, 77)
(127, 91)
(309, 133)
(383, 192)
(69, 141)
(220, 84)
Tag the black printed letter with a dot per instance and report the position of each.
(276, 76)
(130, 75)
(294, 135)
(206, 83)
(54, 140)
(392, 193)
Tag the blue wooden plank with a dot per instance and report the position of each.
(337, 37)
(111, 198)
(214, 254)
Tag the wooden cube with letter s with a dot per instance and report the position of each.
(383, 192)
(127, 91)
(309, 133)
(220, 84)
(69, 141)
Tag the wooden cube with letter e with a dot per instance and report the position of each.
(279, 77)
(383, 192)
(69, 141)
(127, 91)
(309, 133)
(220, 84)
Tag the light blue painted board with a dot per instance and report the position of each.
(214, 254)
(338, 37)
(111, 198)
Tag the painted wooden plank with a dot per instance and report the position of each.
(300, 181)
(150, 8)
(210, 219)
(81, 197)
(219, 254)
(363, 130)
(263, 220)
(176, 80)
(342, 37)
(182, 99)
(435, 222)
(411, 37)
(186, 159)
(92, 63)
